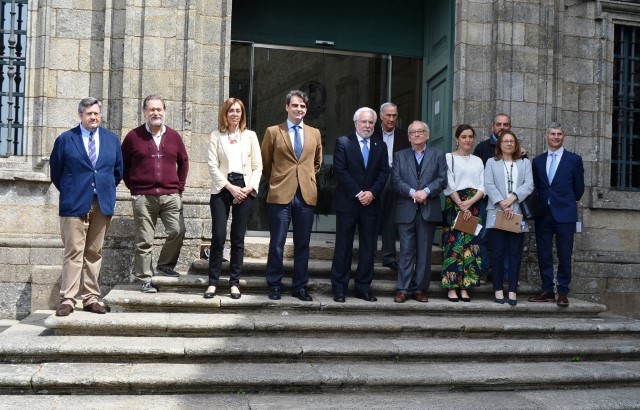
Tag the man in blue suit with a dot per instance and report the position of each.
(362, 168)
(86, 167)
(558, 176)
(419, 175)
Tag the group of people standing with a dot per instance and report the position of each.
(498, 178)
(386, 178)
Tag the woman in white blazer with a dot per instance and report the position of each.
(508, 180)
(235, 165)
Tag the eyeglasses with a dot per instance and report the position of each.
(508, 142)
(417, 132)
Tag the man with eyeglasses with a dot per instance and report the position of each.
(156, 165)
(396, 140)
(291, 158)
(485, 150)
(362, 168)
(418, 176)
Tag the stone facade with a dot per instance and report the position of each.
(544, 61)
(118, 51)
(538, 60)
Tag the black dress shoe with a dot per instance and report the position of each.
(393, 265)
(209, 295)
(366, 296)
(338, 298)
(236, 295)
(302, 295)
(275, 294)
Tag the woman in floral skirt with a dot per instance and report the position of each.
(465, 188)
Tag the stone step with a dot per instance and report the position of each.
(404, 326)
(168, 378)
(129, 298)
(256, 284)
(452, 399)
(318, 268)
(319, 248)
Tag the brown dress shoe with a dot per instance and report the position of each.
(543, 297)
(562, 301)
(400, 297)
(64, 310)
(95, 308)
(421, 297)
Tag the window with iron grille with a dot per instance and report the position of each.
(13, 41)
(625, 149)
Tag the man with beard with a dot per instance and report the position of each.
(155, 171)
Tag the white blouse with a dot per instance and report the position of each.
(468, 172)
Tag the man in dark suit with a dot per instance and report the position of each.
(362, 168)
(558, 175)
(291, 158)
(396, 140)
(418, 176)
(86, 167)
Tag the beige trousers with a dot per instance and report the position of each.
(82, 238)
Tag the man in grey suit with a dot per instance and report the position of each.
(419, 174)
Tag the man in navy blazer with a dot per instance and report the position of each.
(418, 176)
(86, 167)
(361, 166)
(558, 175)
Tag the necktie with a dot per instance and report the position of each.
(552, 167)
(365, 152)
(92, 149)
(297, 141)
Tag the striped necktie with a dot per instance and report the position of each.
(92, 149)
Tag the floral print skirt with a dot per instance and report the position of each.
(461, 252)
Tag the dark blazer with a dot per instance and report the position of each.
(565, 190)
(404, 176)
(352, 177)
(400, 137)
(74, 176)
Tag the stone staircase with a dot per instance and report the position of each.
(258, 353)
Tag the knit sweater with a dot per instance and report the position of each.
(153, 170)
(485, 150)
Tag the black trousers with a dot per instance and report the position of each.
(221, 204)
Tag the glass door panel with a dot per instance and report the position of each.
(338, 83)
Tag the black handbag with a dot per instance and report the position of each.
(531, 207)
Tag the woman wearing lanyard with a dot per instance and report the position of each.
(235, 165)
(508, 180)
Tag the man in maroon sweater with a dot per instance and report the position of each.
(155, 171)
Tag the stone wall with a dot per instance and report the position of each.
(118, 51)
(543, 61)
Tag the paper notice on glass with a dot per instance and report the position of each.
(471, 226)
(511, 225)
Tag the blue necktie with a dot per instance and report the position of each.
(92, 149)
(552, 167)
(365, 152)
(297, 141)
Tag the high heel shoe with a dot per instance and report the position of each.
(210, 295)
(498, 300)
(465, 299)
(513, 301)
(452, 299)
(236, 295)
